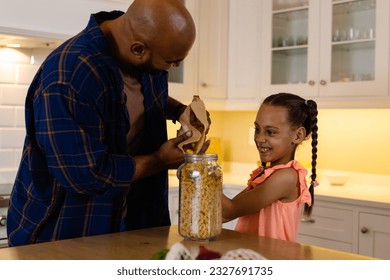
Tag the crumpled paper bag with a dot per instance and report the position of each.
(194, 118)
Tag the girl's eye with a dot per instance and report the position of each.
(257, 130)
(271, 132)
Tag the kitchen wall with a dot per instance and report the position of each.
(352, 140)
(355, 140)
(17, 69)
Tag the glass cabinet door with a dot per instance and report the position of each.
(289, 42)
(291, 46)
(353, 41)
(327, 48)
(358, 50)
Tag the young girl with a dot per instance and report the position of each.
(271, 205)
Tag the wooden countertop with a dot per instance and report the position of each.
(142, 244)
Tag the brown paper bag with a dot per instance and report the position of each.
(194, 118)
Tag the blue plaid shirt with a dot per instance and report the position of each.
(74, 172)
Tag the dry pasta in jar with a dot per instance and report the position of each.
(200, 194)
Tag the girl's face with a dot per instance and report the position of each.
(275, 139)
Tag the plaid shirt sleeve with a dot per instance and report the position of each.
(70, 128)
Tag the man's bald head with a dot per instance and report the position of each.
(151, 32)
(159, 22)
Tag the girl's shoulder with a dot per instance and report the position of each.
(286, 171)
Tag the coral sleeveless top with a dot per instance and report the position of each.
(278, 220)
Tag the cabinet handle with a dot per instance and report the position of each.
(322, 82)
(3, 221)
(203, 84)
(364, 230)
(308, 221)
(311, 83)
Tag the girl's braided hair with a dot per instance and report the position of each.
(304, 113)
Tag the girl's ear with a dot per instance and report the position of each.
(300, 135)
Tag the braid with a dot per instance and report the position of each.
(314, 141)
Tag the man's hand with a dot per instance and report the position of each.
(169, 153)
(169, 156)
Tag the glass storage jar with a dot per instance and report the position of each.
(200, 195)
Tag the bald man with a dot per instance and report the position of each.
(96, 152)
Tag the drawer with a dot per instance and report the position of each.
(329, 223)
(231, 190)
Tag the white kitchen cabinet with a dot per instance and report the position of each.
(204, 71)
(183, 79)
(213, 47)
(330, 226)
(336, 52)
(348, 225)
(223, 66)
(52, 18)
(231, 191)
(173, 200)
(374, 235)
(244, 60)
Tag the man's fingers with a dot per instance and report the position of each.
(183, 137)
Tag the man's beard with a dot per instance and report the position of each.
(148, 67)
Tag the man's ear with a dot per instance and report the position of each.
(300, 135)
(139, 51)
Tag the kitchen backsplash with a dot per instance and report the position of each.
(17, 69)
(354, 140)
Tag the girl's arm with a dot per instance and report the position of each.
(281, 185)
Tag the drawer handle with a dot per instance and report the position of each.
(3, 221)
(364, 230)
(308, 221)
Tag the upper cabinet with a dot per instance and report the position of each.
(336, 52)
(204, 70)
(244, 59)
(52, 18)
(183, 79)
(213, 48)
(223, 66)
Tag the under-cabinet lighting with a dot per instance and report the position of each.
(13, 45)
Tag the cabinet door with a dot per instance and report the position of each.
(331, 226)
(213, 46)
(244, 48)
(204, 70)
(291, 47)
(329, 222)
(328, 50)
(374, 235)
(183, 79)
(174, 205)
(354, 48)
(231, 191)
